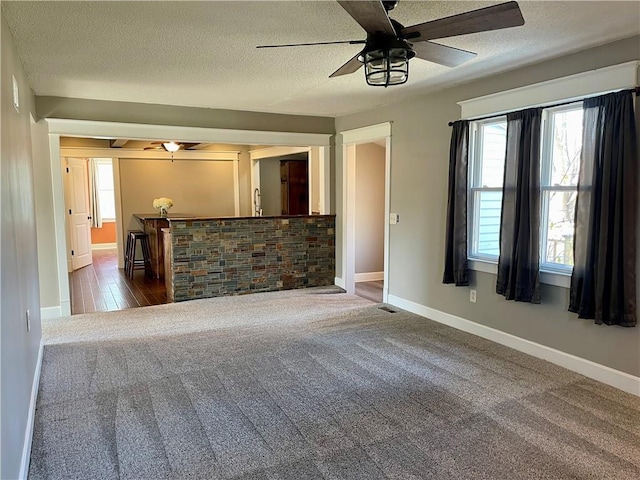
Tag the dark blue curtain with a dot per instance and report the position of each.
(603, 283)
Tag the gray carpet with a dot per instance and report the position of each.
(313, 385)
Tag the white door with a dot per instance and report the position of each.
(79, 213)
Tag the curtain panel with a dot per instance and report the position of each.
(603, 283)
(519, 260)
(456, 264)
(94, 194)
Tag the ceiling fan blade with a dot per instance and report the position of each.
(441, 54)
(351, 66)
(351, 42)
(504, 15)
(371, 15)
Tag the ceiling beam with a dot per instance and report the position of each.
(118, 142)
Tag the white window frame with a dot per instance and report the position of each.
(475, 149)
(107, 161)
(550, 273)
(545, 167)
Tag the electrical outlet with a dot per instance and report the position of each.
(28, 320)
(472, 296)
(394, 218)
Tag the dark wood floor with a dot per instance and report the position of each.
(103, 287)
(370, 290)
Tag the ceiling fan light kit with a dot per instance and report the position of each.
(386, 62)
(389, 45)
(171, 147)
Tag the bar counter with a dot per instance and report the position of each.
(216, 256)
(152, 224)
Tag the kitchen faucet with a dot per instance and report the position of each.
(257, 207)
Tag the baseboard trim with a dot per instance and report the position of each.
(28, 434)
(48, 313)
(339, 282)
(65, 308)
(369, 277)
(103, 246)
(615, 378)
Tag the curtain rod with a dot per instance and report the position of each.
(635, 90)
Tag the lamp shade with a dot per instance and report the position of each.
(386, 62)
(171, 147)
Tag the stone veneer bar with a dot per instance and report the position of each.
(233, 256)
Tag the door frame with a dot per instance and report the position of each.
(58, 127)
(324, 158)
(351, 138)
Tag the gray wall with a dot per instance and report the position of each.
(19, 267)
(100, 110)
(419, 171)
(369, 211)
(270, 186)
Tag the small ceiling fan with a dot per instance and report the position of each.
(171, 146)
(389, 45)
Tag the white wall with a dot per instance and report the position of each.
(19, 348)
(369, 208)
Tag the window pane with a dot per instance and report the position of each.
(105, 176)
(567, 145)
(487, 235)
(494, 138)
(107, 204)
(560, 227)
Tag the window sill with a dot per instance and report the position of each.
(550, 278)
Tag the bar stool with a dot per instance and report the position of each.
(127, 251)
(131, 263)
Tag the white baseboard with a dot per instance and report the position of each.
(48, 313)
(339, 282)
(65, 308)
(103, 246)
(28, 434)
(615, 378)
(369, 277)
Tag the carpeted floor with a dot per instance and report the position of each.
(313, 384)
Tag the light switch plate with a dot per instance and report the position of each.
(394, 218)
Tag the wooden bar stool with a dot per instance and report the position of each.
(131, 263)
(127, 251)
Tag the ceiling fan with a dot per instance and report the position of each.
(171, 146)
(389, 45)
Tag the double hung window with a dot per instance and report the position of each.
(560, 166)
(561, 148)
(106, 189)
(488, 145)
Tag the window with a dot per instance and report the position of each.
(105, 189)
(488, 146)
(560, 166)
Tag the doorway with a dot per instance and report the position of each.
(319, 146)
(369, 220)
(284, 185)
(366, 210)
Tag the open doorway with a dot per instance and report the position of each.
(369, 220)
(284, 185)
(96, 283)
(365, 196)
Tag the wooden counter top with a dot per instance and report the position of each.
(268, 217)
(157, 216)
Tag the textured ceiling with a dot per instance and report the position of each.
(203, 53)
